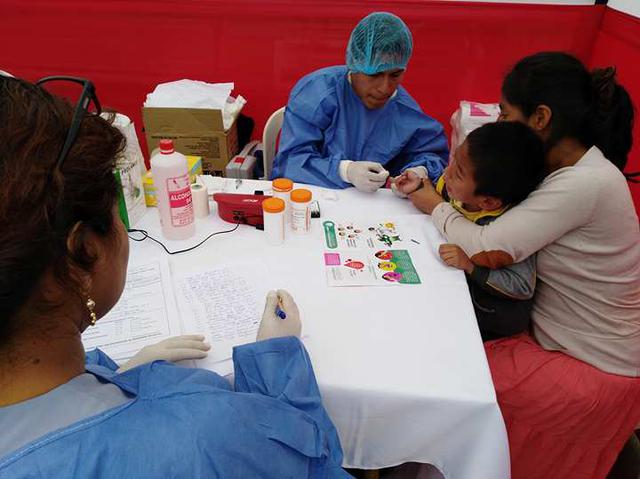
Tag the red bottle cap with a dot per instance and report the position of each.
(166, 147)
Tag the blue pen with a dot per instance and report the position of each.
(279, 312)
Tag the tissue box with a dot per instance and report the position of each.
(195, 169)
(194, 131)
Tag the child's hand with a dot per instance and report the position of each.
(406, 183)
(453, 255)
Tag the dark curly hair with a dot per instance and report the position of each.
(39, 203)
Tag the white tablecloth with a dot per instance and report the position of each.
(402, 370)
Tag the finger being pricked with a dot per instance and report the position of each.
(411, 175)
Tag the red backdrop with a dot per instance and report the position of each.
(461, 51)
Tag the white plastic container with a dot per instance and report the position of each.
(200, 199)
(282, 189)
(300, 212)
(273, 215)
(173, 191)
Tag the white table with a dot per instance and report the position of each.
(402, 370)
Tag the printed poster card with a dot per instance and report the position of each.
(362, 235)
(370, 268)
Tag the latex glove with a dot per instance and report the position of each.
(408, 181)
(272, 325)
(366, 176)
(173, 349)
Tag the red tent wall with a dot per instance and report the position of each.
(461, 49)
(618, 43)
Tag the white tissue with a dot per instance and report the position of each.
(197, 94)
(190, 94)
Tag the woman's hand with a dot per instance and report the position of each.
(177, 348)
(274, 323)
(426, 198)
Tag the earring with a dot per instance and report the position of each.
(91, 305)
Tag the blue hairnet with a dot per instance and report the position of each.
(381, 41)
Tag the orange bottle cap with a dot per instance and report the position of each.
(301, 195)
(273, 205)
(282, 184)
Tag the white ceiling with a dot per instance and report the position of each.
(632, 7)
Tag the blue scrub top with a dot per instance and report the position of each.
(184, 422)
(325, 122)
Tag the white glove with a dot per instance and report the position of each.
(366, 176)
(172, 349)
(408, 178)
(272, 325)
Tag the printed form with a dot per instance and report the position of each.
(145, 314)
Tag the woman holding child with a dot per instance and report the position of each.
(569, 392)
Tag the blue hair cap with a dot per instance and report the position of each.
(381, 41)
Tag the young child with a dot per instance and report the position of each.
(496, 167)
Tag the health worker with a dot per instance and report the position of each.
(354, 124)
(63, 264)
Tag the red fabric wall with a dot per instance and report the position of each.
(461, 49)
(618, 43)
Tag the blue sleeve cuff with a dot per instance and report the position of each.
(269, 367)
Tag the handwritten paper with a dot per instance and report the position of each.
(225, 304)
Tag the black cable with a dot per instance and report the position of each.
(239, 217)
(146, 235)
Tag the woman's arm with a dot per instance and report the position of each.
(280, 368)
(564, 201)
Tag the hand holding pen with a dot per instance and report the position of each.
(280, 318)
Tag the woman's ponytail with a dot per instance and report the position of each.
(611, 117)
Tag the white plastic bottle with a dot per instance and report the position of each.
(300, 212)
(282, 189)
(273, 215)
(173, 191)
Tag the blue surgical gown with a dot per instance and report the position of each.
(325, 122)
(185, 422)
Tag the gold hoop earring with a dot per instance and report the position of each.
(91, 305)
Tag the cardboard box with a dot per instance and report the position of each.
(194, 131)
(195, 169)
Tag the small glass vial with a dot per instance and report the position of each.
(282, 189)
(273, 215)
(300, 212)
